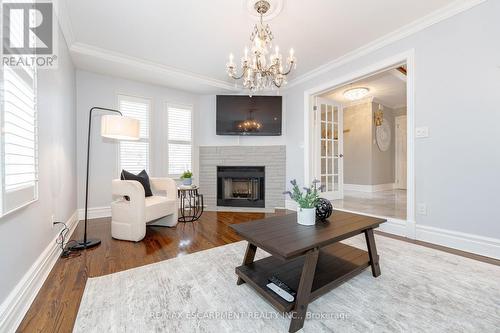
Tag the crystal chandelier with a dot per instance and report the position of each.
(262, 68)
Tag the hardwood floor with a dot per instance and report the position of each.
(56, 305)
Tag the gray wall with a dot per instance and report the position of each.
(364, 162)
(383, 162)
(26, 233)
(358, 144)
(456, 71)
(102, 90)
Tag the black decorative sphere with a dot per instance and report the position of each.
(324, 209)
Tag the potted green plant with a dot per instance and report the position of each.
(187, 178)
(306, 201)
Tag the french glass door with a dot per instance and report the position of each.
(329, 139)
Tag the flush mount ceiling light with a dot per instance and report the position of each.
(355, 94)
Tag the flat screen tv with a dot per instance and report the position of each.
(244, 115)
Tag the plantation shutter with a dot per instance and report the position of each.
(134, 155)
(19, 138)
(179, 139)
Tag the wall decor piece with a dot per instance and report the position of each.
(383, 134)
(324, 209)
(379, 115)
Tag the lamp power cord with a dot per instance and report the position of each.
(66, 252)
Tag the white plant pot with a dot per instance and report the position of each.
(306, 216)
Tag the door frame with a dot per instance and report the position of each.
(407, 57)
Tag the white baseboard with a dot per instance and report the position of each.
(392, 226)
(94, 212)
(370, 188)
(485, 246)
(18, 302)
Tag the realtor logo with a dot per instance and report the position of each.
(28, 34)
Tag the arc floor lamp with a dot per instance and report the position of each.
(116, 127)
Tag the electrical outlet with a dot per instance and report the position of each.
(422, 132)
(53, 219)
(422, 209)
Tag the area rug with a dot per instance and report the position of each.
(420, 290)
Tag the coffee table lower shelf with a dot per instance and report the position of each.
(336, 264)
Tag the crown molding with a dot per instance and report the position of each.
(399, 75)
(442, 14)
(62, 14)
(395, 107)
(145, 65)
(367, 100)
(387, 105)
(362, 101)
(454, 8)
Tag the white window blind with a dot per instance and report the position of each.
(179, 139)
(134, 155)
(19, 138)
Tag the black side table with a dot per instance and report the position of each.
(191, 203)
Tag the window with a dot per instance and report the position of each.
(179, 139)
(19, 160)
(134, 155)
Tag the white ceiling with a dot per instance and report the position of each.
(186, 43)
(388, 87)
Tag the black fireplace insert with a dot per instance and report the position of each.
(241, 186)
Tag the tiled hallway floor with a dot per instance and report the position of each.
(385, 203)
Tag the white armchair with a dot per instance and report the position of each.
(129, 217)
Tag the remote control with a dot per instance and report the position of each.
(282, 289)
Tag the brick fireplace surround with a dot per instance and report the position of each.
(272, 158)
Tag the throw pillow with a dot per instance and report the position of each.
(142, 177)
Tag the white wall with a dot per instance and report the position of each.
(101, 90)
(457, 84)
(26, 233)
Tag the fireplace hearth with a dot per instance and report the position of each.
(241, 186)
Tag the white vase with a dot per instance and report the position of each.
(306, 216)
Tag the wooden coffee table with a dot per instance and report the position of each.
(309, 259)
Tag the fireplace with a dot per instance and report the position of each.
(241, 186)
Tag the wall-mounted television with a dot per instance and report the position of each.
(245, 115)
